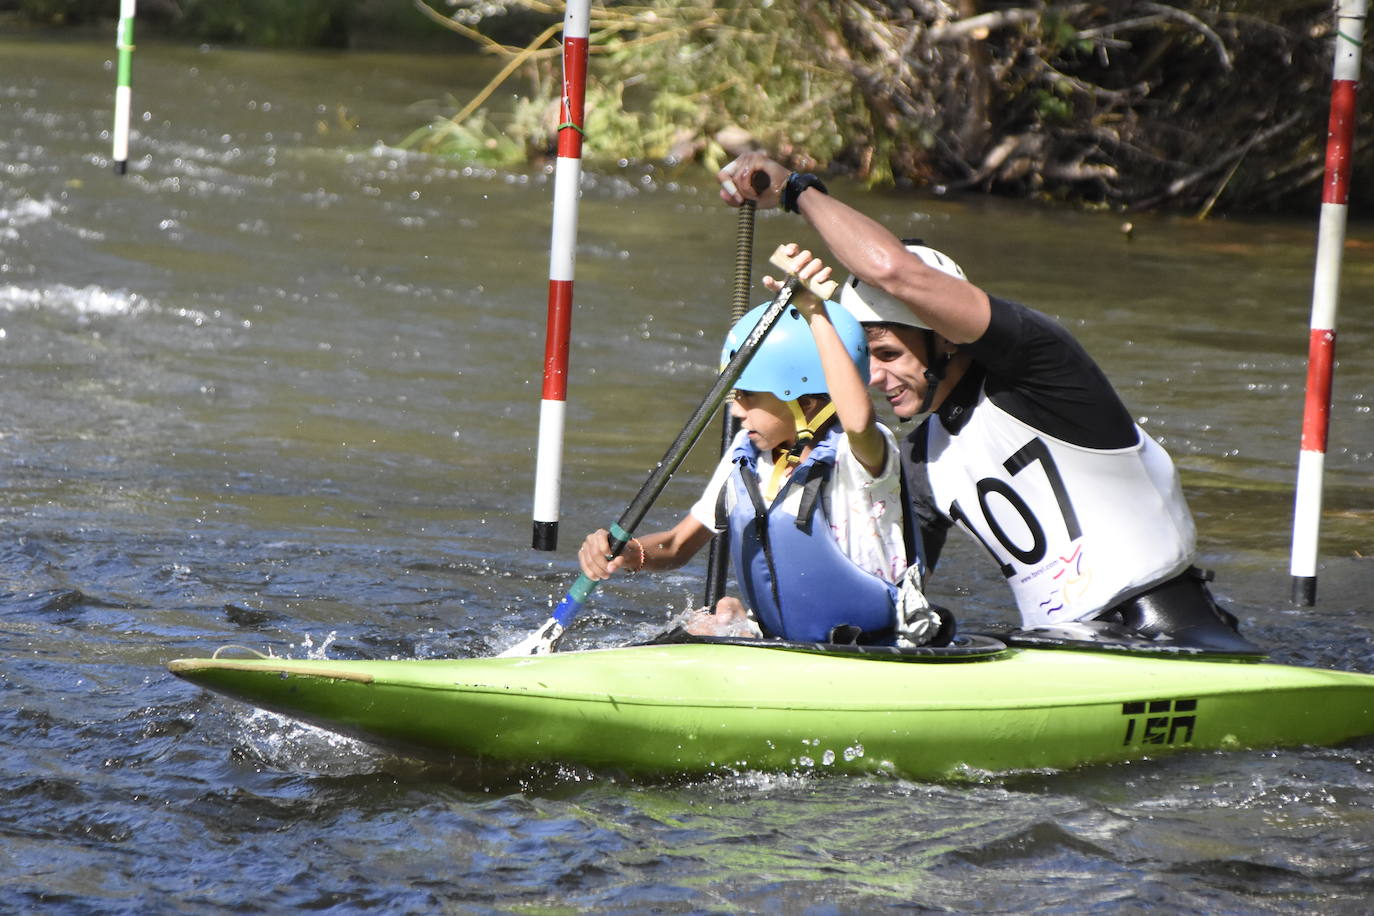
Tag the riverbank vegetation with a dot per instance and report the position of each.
(1209, 106)
(1205, 106)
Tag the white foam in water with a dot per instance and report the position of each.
(84, 300)
(92, 302)
(27, 210)
(24, 212)
(288, 744)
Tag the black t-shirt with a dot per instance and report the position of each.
(1036, 371)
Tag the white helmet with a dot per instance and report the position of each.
(871, 305)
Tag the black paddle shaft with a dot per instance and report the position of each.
(639, 507)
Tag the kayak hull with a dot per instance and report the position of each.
(694, 708)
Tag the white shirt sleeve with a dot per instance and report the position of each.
(865, 510)
(704, 509)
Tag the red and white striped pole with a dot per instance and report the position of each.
(1321, 353)
(567, 180)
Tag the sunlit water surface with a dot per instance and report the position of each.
(278, 387)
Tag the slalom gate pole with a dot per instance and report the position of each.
(124, 93)
(567, 179)
(1321, 353)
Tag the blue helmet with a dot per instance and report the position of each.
(787, 363)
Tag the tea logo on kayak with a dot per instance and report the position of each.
(1167, 722)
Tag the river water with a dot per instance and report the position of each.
(278, 387)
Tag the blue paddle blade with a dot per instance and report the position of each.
(572, 602)
(545, 639)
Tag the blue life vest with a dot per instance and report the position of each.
(790, 568)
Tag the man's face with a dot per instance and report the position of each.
(896, 367)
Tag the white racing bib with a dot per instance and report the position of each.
(1074, 530)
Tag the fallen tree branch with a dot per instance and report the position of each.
(467, 31)
(1197, 24)
(1311, 171)
(511, 66)
(1179, 185)
(1162, 14)
(1000, 19)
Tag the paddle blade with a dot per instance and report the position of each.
(541, 642)
(545, 639)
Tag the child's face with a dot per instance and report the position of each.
(766, 417)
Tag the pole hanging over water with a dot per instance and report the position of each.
(1321, 352)
(124, 93)
(567, 179)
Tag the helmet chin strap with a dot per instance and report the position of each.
(936, 367)
(806, 434)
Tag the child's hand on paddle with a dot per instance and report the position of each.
(591, 556)
(811, 270)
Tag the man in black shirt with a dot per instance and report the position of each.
(1026, 444)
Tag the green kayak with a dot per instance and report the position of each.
(719, 707)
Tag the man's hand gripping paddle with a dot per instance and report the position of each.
(545, 639)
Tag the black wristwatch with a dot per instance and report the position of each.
(796, 183)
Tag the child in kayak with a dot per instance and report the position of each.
(810, 491)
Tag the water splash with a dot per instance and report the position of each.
(85, 301)
(322, 652)
(293, 746)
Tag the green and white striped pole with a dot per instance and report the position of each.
(124, 94)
